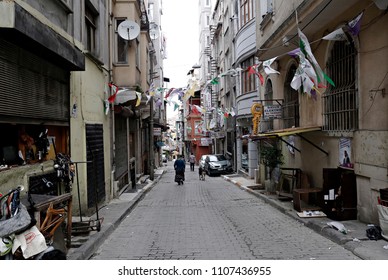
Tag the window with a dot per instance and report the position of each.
(122, 46)
(248, 79)
(341, 102)
(151, 12)
(266, 7)
(247, 11)
(90, 28)
(207, 3)
(291, 101)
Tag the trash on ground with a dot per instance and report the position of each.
(338, 226)
(373, 232)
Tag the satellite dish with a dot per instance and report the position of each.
(154, 31)
(128, 30)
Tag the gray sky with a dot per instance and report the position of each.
(180, 24)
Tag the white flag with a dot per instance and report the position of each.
(267, 66)
(336, 35)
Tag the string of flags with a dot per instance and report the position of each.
(308, 78)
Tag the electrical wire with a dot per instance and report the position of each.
(374, 97)
(327, 4)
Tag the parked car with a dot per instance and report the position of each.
(217, 164)
(164, 158)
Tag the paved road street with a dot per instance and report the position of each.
(212, 219)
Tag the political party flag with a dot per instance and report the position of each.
(355, 24)
(214, 81)
(294, 53)
(148, 99)
(115, 89)
(169, 93)
(138, 101)
(158, 102)
(336, 35)
(194, 110)
(306, 50)
(267, 66)
(176, 106)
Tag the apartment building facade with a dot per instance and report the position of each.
(63, 63)
(332, 131)
(344, 116)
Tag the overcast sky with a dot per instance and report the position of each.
(180, 25)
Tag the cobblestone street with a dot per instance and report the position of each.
(212, 219)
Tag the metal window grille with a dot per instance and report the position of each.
(341, 102)
(291, 102)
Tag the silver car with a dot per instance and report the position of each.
(217, 164)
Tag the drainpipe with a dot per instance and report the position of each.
(112, 118)
(152, 155)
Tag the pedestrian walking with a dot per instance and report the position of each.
(180, 166)
(192, 161)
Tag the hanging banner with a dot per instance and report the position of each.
(345, 152)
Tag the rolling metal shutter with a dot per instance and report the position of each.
(95, 169)
(32, 90)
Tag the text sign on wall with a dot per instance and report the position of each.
(273, 112)
(206, 141)
(157, 131)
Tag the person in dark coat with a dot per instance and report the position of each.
(180, 166)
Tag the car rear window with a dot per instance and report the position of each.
(217, 158)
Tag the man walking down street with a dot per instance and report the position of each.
(192, 161)
(180, 166)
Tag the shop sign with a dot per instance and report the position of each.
(206, 141)
(273, 112)
(157, 131)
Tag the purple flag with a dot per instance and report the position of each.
(355, 25)
(294, 53)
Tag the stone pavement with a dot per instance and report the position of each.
(355, 240)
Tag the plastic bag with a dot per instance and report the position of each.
(374, 233)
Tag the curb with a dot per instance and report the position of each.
(86, 250)
(322, 229)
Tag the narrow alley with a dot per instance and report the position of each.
(212, 219)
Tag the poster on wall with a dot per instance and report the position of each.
(345, 152)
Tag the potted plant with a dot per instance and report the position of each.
(271, 157)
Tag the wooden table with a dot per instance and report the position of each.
(42, 203)
(301, 199)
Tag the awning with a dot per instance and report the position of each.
(160, 144)
(125, 95)
(290, 131)
(162, 126)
